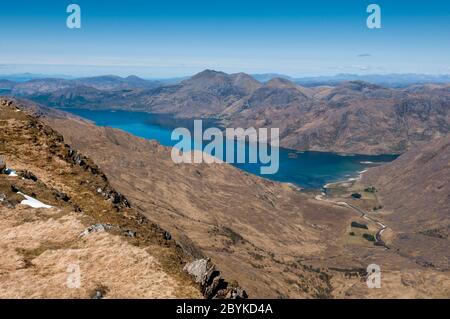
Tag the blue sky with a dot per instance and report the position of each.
(178, 38)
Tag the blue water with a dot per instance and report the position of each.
(307, 169)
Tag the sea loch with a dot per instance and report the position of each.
(306, 169)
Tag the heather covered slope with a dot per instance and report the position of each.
(417, 185)
(415, 189)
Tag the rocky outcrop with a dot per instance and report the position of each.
(27, 175)
(211, 281)
(95, 228)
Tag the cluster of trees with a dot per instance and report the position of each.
(370, 189)
(369, 237)
(358, 225)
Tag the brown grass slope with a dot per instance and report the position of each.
(415, 188)
(132, 258)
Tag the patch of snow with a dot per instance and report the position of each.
(11, 172)
(32, 202)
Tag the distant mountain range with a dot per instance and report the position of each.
(23, 77)
(106, 82)
(391, 80)
(349, 117)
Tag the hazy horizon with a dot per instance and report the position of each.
(43, 74)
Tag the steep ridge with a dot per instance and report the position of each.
(61, 218)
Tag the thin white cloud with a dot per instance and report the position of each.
(360, 67)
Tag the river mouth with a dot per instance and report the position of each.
(306, 169)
